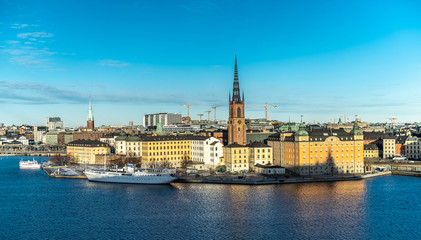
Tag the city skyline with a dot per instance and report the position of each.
(319, 59)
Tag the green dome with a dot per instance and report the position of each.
(356, 129)
(301, 131)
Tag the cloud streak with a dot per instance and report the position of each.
(35, 35)
(113, 63)
(39, 93)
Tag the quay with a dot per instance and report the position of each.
(63, 172)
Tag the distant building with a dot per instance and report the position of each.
(85, 151)
(175, 128)
(413, 147)
(88, 135)
(54, 123)
(151, 120)
(38, 133)
(389, 146)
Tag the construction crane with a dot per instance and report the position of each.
(188, 107)
(214, 110)
(392, 119)
(208, 115)
(200, 115)
(345, 117)
(266, 109)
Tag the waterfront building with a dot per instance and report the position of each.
(389, 146)
(151, 120)
(400, 145)
(90, 125)
(260, 154)
(128, 145)
(323, 151)
(371, 151)
(109, 139)
(174, 151)
(236, 121)
(54, 123)
(236, 158)
(85, 151)
(413, 147)
(207, 150)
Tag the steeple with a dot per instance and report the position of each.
(236, 87)
(90, 123)
(90, 114)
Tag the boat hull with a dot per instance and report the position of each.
(166, 179)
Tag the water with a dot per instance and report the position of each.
(34, 206)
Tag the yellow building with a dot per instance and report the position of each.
(260, 153)
(371, 151)
(323, 151)
(171, 150)
(236, 158)
(243, 158)
(84, 151)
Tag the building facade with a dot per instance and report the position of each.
(389, 147)
(174, 151)
(412, 147)
(54, 123)
(85, 151)
(207, 150)
(152, 120)
(323, 151)
(128, 145)
(236, 158)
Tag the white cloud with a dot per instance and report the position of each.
(35, 34)
(16, 25)
(113, 63)
(12, 42)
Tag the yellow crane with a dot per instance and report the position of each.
(208, 115)
(214, 110)
(392, 119)
(266, 109)
(200, 115)
(188, 107)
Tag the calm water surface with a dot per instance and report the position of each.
(34, 206)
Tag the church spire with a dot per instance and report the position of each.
(90, 114)
(236, 87)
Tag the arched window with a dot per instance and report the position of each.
(238, 112)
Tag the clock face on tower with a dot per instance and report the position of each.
(239, 121)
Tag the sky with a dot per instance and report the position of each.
(320, 59)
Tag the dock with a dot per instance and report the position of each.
(63, 172)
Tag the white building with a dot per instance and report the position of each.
(109, 140)
(128, 145)
(151, 120)
(207, 150)
(389, 147)
(38, 134)
(175, 128)
(412, 147)
(53, 123)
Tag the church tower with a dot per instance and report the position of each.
(90, 122)
(236, 120)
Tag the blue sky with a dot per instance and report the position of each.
(321, 59)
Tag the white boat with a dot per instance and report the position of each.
(29, 164)
(129, 175)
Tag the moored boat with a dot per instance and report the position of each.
(129, 175)
(29, 164)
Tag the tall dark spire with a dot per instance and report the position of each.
(236, 88)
